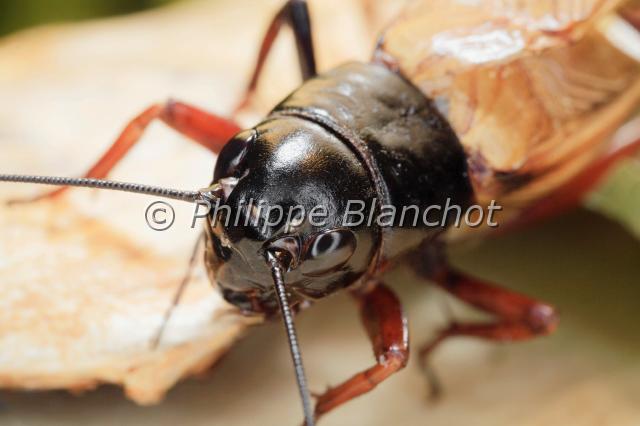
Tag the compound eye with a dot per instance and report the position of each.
(327, 251)
(231, 159)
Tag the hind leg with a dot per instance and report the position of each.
(573, 192)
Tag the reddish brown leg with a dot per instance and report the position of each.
(296, 14)
(518, 317)
(387, 328)
(573, 192)
(208, 130)
(632, 15)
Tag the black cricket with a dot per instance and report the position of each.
(357, 132)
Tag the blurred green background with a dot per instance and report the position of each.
(19, 14)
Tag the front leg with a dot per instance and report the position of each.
(206, 129)
(386, 325)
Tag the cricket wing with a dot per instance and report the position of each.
(533, 89)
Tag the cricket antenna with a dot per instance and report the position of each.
(175, 194)
(287, 317)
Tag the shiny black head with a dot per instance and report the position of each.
(285, 187)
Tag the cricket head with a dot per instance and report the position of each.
(284, 187)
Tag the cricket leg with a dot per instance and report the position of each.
(386, 326)
(208, 130)
(177, 296)
(294, 13)
(518, 317)
(632, 14)
(574, 191)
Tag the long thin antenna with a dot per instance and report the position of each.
(175, 194)
(296, 356)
